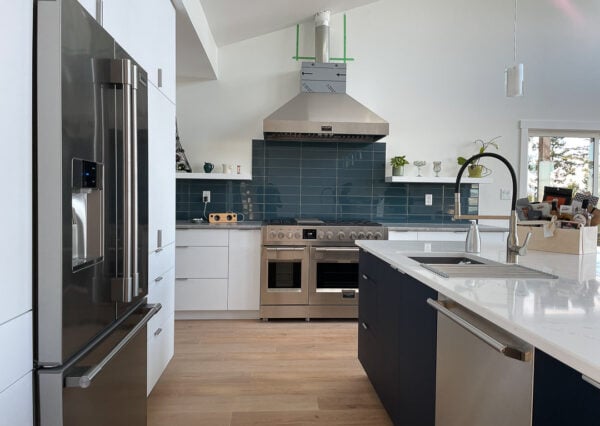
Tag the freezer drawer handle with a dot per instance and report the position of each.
(85, 380)
(506, 350)
(338, 249)
(590, 381)
(348, 294)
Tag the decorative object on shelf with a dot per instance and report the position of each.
(398, 164)
(208, 167)
(419, 164)
(475, 169)
(437, 168)
(181, 162)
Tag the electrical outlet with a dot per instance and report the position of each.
(505, 194)
(428, 199)
(206, 196)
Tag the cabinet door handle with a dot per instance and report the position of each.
(508, 351)
(183, 246)
(364, 325)
(590, 381)
(158, 279)
(158, 331)
(181, 279)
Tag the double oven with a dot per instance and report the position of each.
(309, 267)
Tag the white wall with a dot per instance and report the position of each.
(434, 69)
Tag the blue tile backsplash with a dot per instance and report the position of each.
(327, 180)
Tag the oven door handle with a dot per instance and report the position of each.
(285, 248)
(339, 249)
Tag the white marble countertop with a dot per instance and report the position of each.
(440, 227)
(561, 317)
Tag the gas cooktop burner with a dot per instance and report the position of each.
(288, 221)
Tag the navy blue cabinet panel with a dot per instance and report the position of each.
(560, 395)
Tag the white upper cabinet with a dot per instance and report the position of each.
(161, 170)
(16, 21)
(146, 30)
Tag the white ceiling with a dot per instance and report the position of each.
(231, 21)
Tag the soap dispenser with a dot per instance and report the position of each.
(473, 243)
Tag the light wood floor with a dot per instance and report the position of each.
(257, 373)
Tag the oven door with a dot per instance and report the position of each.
(284, 275)
(333, 276)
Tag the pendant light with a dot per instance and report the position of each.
(513, 76)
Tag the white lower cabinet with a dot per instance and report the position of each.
(16, 358)
(161, 345)
(243, 291)
(217, 270)
(486, 237)
(16, 403)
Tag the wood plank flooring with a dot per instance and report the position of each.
(250, 373)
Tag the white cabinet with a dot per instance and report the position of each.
(16, 403)
(146, 30)
(16, 43)
(161, 170)
(217, 270)
(486, 237)
(16, 354)
(243, 292)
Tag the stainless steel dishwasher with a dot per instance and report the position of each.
(484, 374)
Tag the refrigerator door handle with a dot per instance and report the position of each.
(85, 379)
(134, 182)
(120, 74)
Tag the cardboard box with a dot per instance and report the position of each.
(570, 241)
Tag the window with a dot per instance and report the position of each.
(558, 154)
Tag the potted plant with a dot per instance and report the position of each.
(398, 164)
(475, 169)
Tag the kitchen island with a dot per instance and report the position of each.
(560, 318)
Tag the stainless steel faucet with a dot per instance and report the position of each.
(513, 249)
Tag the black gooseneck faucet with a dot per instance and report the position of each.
(513, 249)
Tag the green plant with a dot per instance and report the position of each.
(484, 147)
(399, 161)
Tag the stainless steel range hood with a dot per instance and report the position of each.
(323, 111)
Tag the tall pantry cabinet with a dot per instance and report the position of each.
(146, 30)
(16, 336)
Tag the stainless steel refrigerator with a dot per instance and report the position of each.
(92, 224)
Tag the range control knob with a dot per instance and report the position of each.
(272, 235)
(281, 235)
(320, 235)
(290, 235)
(329, 235)
(341, 235)
(353, 235)
(378, 236)
(361, 235)
(369, 235)
(298, 236)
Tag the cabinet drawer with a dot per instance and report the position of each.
(201, 262)
(442, 236)
(403, 235)
(200, 295)
(202, 237)
(160, 349)
(16, 403)
(16, 335)
(160, 261)
(163, 292)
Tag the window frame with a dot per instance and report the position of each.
(532, 128)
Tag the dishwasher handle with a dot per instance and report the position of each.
(506, 350)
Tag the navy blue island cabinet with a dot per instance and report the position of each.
(561, 395)
(397, 341)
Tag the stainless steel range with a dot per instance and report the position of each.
(309, 267)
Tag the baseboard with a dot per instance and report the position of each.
(208, 315)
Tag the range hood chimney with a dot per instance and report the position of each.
(323, 111)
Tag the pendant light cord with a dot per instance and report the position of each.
(515, 34)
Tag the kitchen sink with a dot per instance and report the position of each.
(446, 260)
(460, 265)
